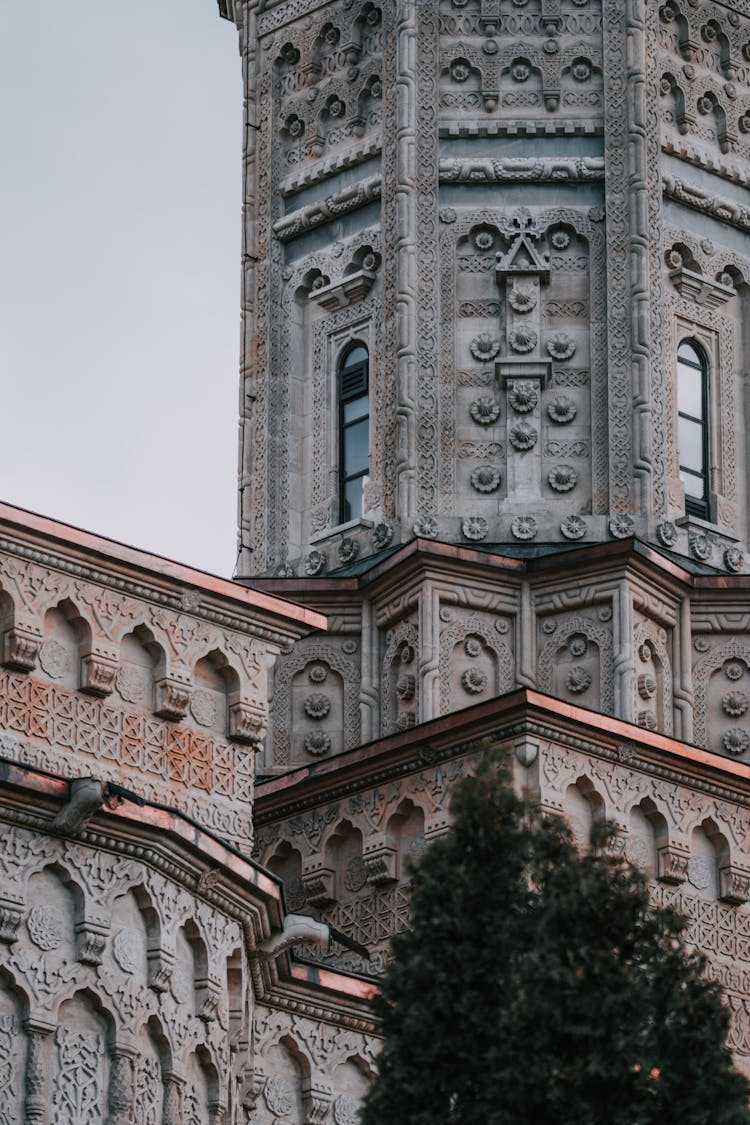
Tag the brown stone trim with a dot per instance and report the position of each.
(502, 718)
(19, 521)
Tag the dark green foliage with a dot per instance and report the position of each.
(537, 986)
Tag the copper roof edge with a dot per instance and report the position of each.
(478, 721)
(122, 553)
(423, 550)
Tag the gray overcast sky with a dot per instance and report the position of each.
(120, 194)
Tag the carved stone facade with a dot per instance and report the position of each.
(543, 205)
(132, 969)
(342, 839)
(517, 214)
(142, 974)
(430, 182)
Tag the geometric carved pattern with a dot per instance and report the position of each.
(108, 740)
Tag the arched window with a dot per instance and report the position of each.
(354, 430)
(692, 426)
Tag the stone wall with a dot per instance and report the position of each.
(342, 839)
(520, 209)
(130, 669)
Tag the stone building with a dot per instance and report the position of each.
(491, 500)
(494, 418)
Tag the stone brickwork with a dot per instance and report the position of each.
(616, 628)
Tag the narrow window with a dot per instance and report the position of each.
(692, 426)
(354, 431)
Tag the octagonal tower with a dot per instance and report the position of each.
(517, 212)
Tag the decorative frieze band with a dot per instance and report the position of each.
(324, 169)
(522, 170)
(323, 210)
(725, 210)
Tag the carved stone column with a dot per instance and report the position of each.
(172, 1113)
(37, 1073)
(120, 1087)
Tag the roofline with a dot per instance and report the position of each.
(420, 551)
(112, 549)
(162, 818)
(472, 723)
(180, 827)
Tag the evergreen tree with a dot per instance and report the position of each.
(536, 985)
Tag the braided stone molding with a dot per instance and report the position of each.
(341, 203)
(520, 169)
(726, 210)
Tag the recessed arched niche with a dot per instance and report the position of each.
(215, 681)
(405, 833)
(130, 939)
(582, 806)
(12, 1052)
(53, 910)
(67, 637)
(282, 1093)
(647, 833)
(149, 1067)
(141, 663)
(81, 1064)
(344, 856)
(286, 862)
(709, 852)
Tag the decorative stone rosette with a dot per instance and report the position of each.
(317, 705)
(484, 240)
(523, 397)
(734, 704)
(578, 680)
(523, 436)
(621, 527)
(524, 527)
(317, 673)
(523, 340)
(562, 478)
(348, 550)
(734, 560)
(474, 681)
(736, 741)
(474, 528)
(573, 527)
(484, 410)
(666, 533)
(426, 527)
(317, 742)
(315, 563)
(701, 546)
(484, 347)
(561, 410)
(382, 534)
(522, 298)
(485, 478)
(561, 346)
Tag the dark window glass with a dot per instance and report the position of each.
(354, 431)
(692, 426)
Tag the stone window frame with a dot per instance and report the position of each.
(343, 397)
(332, 336)
(696, 506)
(716, 341)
